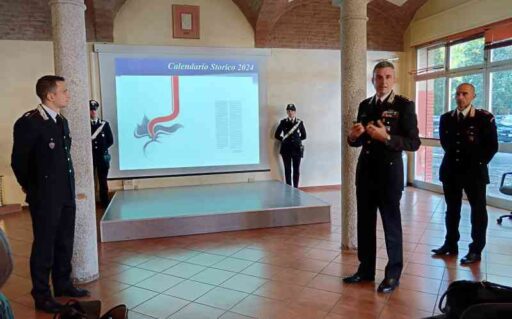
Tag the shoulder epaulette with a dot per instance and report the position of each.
(30, 113)
(402, 97)
(487, 114)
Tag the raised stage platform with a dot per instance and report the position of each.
(186, 210)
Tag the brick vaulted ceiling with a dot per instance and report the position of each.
(310, 24)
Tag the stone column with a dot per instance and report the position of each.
(70, 55)
(353, 91)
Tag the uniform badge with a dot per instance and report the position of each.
(51, 145)
(391, 114)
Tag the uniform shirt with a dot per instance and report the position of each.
(101, 143)
(469, 145)
(41, 158)
(50, 112)
(292, 144)
(384, 98)
(381, 163)
(465, 111)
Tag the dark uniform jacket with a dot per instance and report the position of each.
(292, 144)
(100, 145)
(469, 146)
(381, 163)
(41, 158)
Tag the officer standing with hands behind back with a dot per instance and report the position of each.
(469, 138)
(102, 139)
(41, 161)
(386, 126)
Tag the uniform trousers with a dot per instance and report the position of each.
(370, 197)
(476, 194)
(102, 174)
(53, 228)
(289, 160)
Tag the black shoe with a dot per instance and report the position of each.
(445, 250)
(72, 291)
(47, 304)
(388, 285)
(357, 278)
(470, 258)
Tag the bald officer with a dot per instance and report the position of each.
(469, 138)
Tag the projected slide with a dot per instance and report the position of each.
(178, 113)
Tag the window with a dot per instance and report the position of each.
(467, 53)
(477, 80)
(501, 54)
(500, 164)
(430, 103)
(431, 59)
(501, 103)
(440, 69)
(428, 161)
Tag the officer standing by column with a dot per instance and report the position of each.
(102, 139)
(291, 132)
(386, 126)
(469, 138)
(41, 161)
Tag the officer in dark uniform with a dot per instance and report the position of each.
(41, 161)
(386, 126)
(469, 138)
(102, 139)
(291, 132)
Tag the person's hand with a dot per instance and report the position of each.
(377, 131)
(356, 131)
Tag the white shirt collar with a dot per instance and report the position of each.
(383, 98)
(51, 112)
(465, 111)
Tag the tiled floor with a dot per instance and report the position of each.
(289, 272)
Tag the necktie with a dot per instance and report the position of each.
(461, 117)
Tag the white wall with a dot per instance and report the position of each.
(308, 78)
(440, 18)
(222, 24)
(21, 64)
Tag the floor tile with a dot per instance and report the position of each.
(213, 276)
(184, 270)
(189, 290)
(161, 306)
(159, 282)
(197, 311)
(244, 283)
(222, 298)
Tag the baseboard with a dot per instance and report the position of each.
(321, 188)
(11, 208)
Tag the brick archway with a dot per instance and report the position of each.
(310, 24)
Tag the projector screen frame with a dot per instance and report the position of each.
(105, 55)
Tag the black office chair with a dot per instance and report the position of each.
(507, 190)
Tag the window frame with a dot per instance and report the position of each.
(485, 68)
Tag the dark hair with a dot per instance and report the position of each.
(47, 84)
(382, 65)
